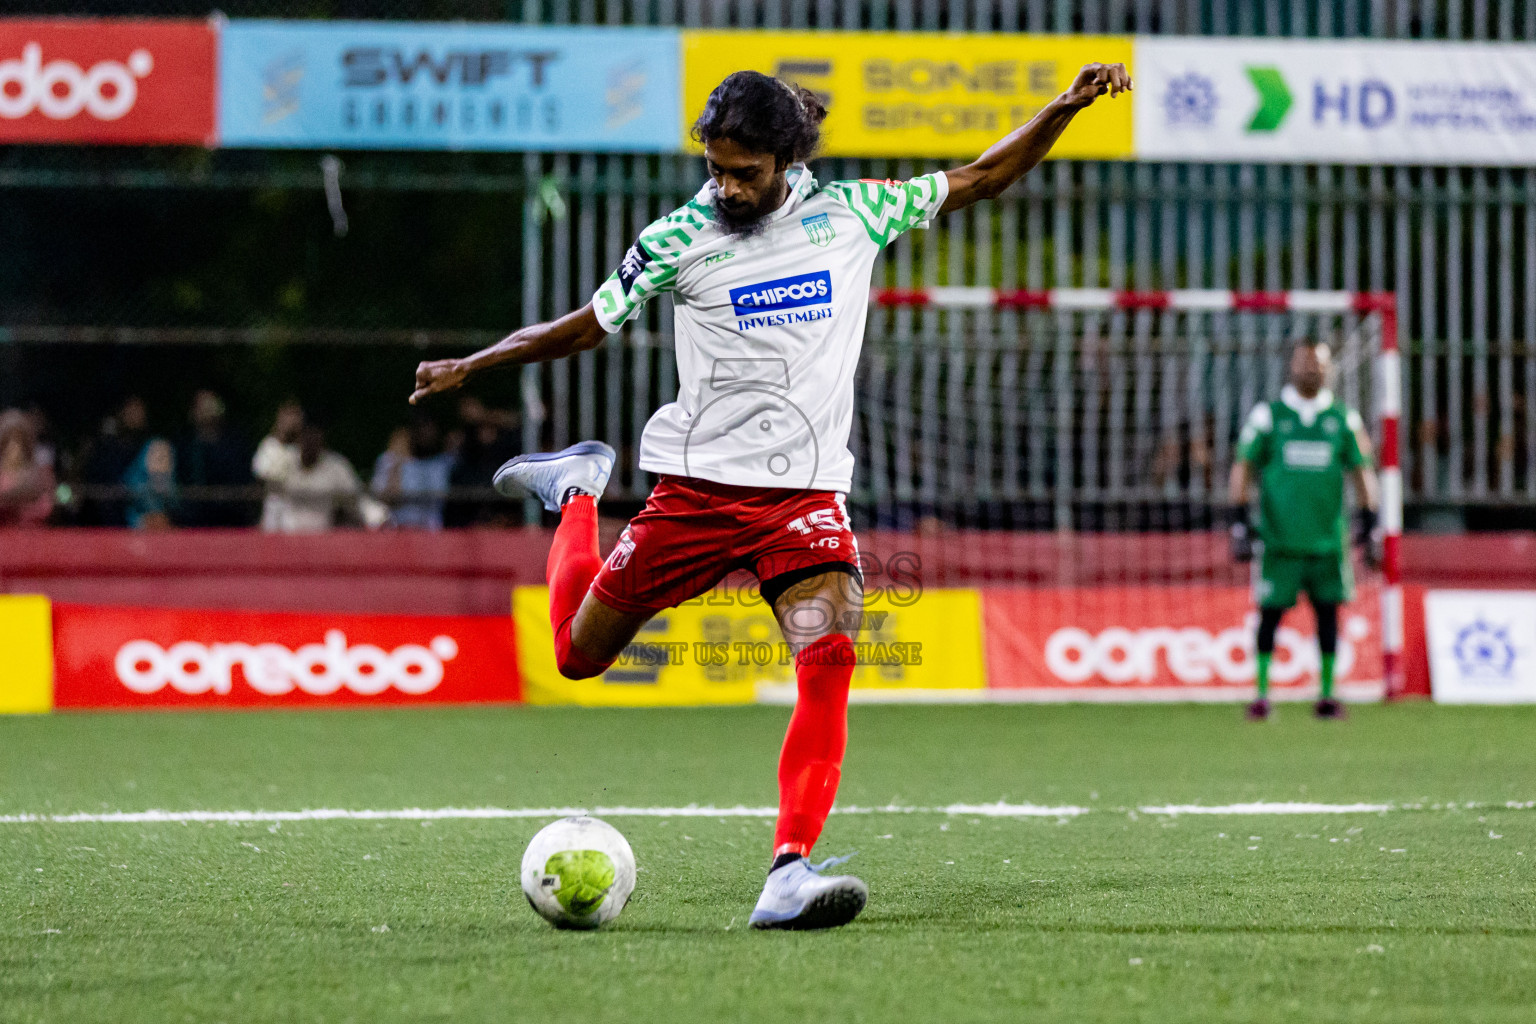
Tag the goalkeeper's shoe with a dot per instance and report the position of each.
(1258, 711)
(556, 477)
(797, 896)
(1328, 707)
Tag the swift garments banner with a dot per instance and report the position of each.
(107, 657)
(108, 81)
(398, 85)
(1162, 643)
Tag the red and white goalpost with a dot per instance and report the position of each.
(1378, 310)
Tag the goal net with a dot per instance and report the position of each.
(1070, 450)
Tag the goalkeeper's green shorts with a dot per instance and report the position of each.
(1326, 579)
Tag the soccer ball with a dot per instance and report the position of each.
(578, 872)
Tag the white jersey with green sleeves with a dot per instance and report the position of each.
(1300, 450)
(768, 327)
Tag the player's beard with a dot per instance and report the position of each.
(742, 221)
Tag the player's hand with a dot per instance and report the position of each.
(1241, 536)
(1368, 538)
(1242, 543)
(436, 376)
(1094, 81)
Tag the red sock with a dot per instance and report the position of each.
(811, 762)
(573, 563)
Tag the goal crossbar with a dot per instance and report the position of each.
(1175, 300)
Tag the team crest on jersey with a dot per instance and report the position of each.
(622, 551)
(818, 229)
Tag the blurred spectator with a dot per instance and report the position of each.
(213, 456)
(391, 461)
(307, 483)
(26, 482)
(490, 439)
(153, 499)
(413, 476)
(46, 454)
(107, 457)
(275, 459)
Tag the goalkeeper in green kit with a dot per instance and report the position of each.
(1299, 450)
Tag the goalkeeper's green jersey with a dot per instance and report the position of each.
(1300, 451)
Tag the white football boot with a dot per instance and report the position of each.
(583, 468)
(796, 896)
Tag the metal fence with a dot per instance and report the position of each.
(1455, 244)
(1417, 19)
(1071, 420)
(1452, 243)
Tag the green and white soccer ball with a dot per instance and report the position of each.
(578, 872)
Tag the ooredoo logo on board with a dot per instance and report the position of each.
(319, 669)
(137, 657)
(1160, 641)
(107, 81)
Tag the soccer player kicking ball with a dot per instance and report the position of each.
(771, 271)
(1300, 449)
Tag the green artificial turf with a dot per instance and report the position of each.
(1423, 914)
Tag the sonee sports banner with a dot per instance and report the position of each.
(920, 93)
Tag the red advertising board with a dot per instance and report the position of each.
(117, 81)
(1162, 643)
(107, 657)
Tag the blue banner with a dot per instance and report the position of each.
(385, 85)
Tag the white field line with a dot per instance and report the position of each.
(997, 810)
(1269, 808)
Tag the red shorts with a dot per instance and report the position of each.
(693, 533)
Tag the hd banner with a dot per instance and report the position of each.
(1335, 101)
(920, 93)
(108, 81)
(373, 85)
(113, 657)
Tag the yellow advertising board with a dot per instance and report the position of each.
(26, 637)
(723, 649)
(920, 93)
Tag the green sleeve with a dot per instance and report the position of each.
(650, 267)
(889, 209)
(1253, 442)
(1352, 454)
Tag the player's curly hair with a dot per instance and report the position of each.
(763, 114)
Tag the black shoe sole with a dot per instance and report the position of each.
(832, 909)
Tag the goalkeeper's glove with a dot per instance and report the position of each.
(1241, 535)
(1366, 538)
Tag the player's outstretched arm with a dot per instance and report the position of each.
(572, 333)
(1005, 163)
